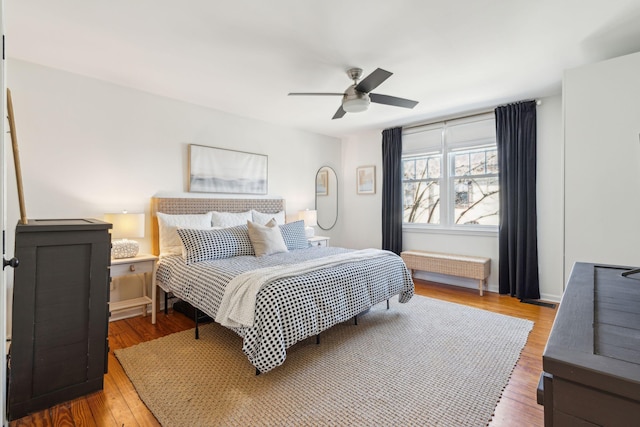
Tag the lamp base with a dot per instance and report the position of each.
(309, 232)
(124, 248)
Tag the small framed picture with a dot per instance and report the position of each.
(366, 180)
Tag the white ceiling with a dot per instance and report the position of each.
(244, 56)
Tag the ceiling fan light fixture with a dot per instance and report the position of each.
(356, 103)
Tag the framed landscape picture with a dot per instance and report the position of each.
(218, 170)
(366, 180)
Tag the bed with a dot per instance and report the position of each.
(298, 292)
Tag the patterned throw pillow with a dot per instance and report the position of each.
(294, 235)
(202, 245)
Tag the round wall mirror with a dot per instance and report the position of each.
(326, 197)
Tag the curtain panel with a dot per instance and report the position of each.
(392, 190)
(518, 241)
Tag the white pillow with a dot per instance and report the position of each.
(230, 219)
(266, 239)
(263, 218)
(170, 243)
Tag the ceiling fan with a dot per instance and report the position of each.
(357, 97)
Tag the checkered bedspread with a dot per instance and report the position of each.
(290, 309)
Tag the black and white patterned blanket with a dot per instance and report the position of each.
(290, 309)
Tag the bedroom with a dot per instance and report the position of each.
(91, 146)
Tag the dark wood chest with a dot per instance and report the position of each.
(60, 313)
(592, 358)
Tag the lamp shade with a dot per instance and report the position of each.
(310, 217)
(126, 225)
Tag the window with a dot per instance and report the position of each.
(450, 174)
(475, 182)
(421, 185)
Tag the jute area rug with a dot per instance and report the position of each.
(424, 363)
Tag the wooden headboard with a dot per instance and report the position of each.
(199, 205)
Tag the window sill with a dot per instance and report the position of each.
(484, 232)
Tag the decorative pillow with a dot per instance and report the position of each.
(230, 219)
(266, 239)
(202, 245)
(167, 229)
(294, 235)
(263, 218)
(184, 251)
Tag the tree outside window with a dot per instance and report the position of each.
(421, 182)
(455, 185)
(476, 187)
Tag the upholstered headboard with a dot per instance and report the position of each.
(179, 206)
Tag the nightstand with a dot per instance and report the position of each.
(139, 265)
(318, 241)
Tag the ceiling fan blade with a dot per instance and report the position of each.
(339, 114)
(315, 93)
(373, 80)
(392, 100)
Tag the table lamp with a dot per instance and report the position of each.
(310, 218)
(125, 225)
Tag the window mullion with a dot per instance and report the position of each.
(445, 172)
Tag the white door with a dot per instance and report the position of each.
(3, 218)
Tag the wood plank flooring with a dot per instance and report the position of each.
(119, 405)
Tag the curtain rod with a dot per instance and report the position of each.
(468, 116)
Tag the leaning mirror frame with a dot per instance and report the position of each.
(326, 197)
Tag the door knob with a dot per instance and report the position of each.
(13, 262)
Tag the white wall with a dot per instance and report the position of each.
(88, 147)
(602, 162)
(550, 198)
(362, 215)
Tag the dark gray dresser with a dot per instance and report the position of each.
(60, 315)
(592, 359)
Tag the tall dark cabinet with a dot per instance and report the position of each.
(60, 313)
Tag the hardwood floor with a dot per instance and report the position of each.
(119, 405)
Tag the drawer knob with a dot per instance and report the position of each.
(132, 267)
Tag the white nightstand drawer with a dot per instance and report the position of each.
(131, 267)
(318, 241)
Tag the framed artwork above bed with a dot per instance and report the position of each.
(218, 170)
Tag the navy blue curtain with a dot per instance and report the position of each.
(392, 190)
(518, 235)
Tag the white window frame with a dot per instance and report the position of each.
(447, 178)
